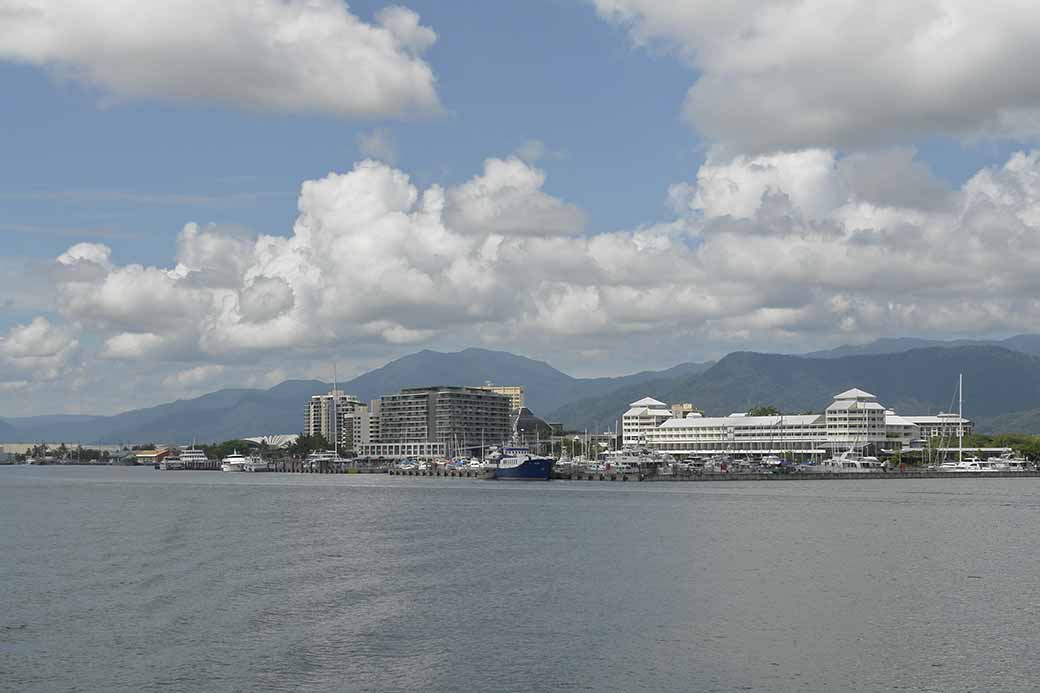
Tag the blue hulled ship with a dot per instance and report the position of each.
(519, 463)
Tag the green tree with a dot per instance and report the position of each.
(305, 445)
(764, 410)
(219, 451)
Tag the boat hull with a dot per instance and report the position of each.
(531, 469)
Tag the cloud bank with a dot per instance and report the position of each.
(310, 56)
(787, 250)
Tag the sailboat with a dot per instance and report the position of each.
(962, 465)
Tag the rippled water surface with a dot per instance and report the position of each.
(115, 578)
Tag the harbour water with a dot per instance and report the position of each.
(116, 578)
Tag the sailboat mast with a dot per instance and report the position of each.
(335, 413)
(960, 417)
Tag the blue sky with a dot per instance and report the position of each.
(507, 73)
(755, 176)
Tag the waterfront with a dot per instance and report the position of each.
(122, 578)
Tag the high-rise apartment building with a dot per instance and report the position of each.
(440, 421)
(325, 414)
(364, 425)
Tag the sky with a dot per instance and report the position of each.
(199, 195)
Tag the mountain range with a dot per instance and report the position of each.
(234, 413)
(1002, 387)
(1025, 343)
(1002, 390)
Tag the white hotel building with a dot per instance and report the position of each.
(853, 421)
(641, 419)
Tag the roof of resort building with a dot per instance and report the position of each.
(647, 411)
(853, 405)
(276, 440)
(648, 402)
(742, 421)
(896, 420)
(854, 393)
(940, 419)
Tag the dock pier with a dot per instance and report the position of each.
(302, 467)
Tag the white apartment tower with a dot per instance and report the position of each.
(325, 416)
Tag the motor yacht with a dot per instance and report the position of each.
(849, 462)
(235, 462)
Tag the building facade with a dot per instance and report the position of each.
(643, 417)
(942, 428)
(325, 416)
(854, 421)
(515, 393)
(739, 434)
(364, 425)
(458, 419)
(681, 411)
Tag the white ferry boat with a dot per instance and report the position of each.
(191, 455)
(235, 462)
(187, 458)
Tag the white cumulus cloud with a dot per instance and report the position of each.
(264, 55)
(96, 253)
(193, 377)
(777, 75)
(785, 251)
(508, 199)
(37, 351)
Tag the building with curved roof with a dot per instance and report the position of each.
(854, 420)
